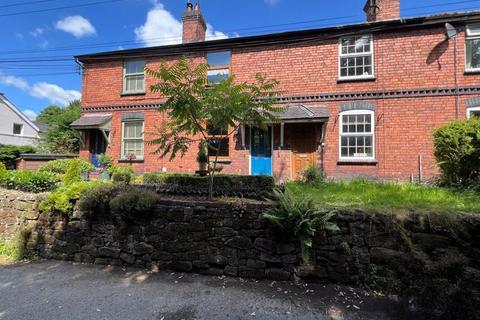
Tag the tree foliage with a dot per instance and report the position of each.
(193, 104)
(10, 154)
(60, 138)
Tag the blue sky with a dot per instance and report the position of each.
(62, 29)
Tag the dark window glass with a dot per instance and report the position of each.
(218, 143)
(17, 128)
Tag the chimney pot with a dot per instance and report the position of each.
(189, 6)
(197, 7)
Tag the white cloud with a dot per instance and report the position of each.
(78, 26)
(43, 90)
(37, 32)
(271, 2)
(213, 34)
(14, 81)
(162, 28)
(32, 115)
(54, 93)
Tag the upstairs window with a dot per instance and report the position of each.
(356, 57)
(218, 66)
(473, 48)
(473, 112)
(17, 129)
(132, 140)
(357, 130)
(134, 76)
(218, 141)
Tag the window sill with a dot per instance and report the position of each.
(221, 160)
(471, 71)
(367, 162)
(131, 161)
(359, 79)
(126, 94)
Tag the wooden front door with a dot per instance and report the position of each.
(304, 147)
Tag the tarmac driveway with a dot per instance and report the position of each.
(61, 290)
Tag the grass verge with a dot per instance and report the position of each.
(376, 196)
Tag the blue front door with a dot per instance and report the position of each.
(261, 147)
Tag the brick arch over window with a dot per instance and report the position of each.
(370, 106)
(473, 102)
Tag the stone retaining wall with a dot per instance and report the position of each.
(219, 239)
(16, 208)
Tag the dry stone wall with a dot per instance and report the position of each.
(226, 239)
(16, 208)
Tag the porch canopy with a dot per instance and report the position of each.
(297, 114)
(301, 113)
(102, 122)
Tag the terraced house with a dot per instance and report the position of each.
(361, 100)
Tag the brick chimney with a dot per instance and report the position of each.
(380, 10)
(194, 26)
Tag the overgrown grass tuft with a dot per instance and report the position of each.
(364, 194)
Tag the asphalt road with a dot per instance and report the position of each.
(60, 290)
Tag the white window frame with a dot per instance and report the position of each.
(125, 76)
(469, 111)
(21, 129)
(350, 55)
(123, 156)
(216, 69)
(341, 134)
(470, 36)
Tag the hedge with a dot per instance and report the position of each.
(60, 166)
(29, 181)
(255, 187)
(10, 154)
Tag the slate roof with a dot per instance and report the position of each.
(302, 112)
(91, 121)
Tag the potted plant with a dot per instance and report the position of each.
(202, 157)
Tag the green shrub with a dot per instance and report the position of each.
(299, 218)
(65, 197)
(313, 175)
(61, 166)
(3, 169)
(134, 203)
(154, 178)
(29, 181)
(123, 175)
(10, 154)
(14, 249)
(74, 172)
(106, 162)
(457, 150)
(257, 187)
(96, 200)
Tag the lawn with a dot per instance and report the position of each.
(386, 195)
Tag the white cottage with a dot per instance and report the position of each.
(15, 127)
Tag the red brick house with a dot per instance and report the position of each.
(362, 99)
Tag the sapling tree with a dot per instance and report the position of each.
(193, 105)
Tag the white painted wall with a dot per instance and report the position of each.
(10, 115)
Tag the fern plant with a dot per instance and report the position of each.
(300, 218)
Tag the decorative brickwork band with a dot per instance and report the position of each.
(357, 106)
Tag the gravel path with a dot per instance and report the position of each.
(61, 290)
